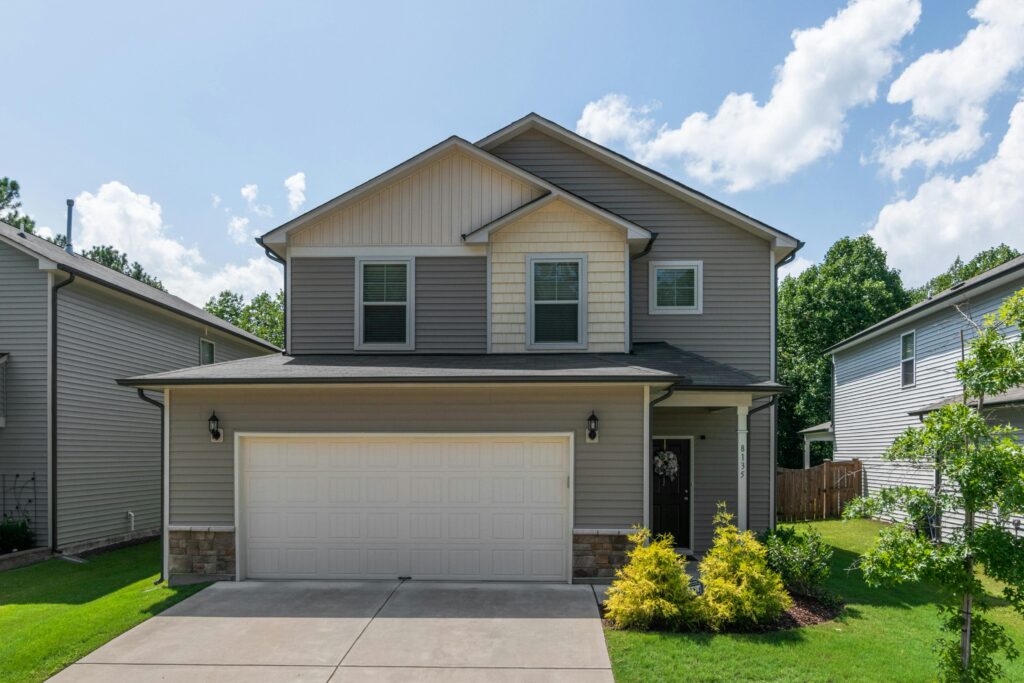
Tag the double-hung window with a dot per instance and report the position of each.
(385, 305)
(207, 352)
(675, 287)
(557, 307)
(908, 359)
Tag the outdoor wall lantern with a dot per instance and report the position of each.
(216, 435)
(592, 428)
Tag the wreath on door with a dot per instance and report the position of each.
(666, 464)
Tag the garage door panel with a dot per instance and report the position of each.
(435, 508)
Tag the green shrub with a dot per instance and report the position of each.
(802, 560)
(652, 590)
(15, 534)
(740, 589)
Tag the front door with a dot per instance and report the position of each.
(670, 489)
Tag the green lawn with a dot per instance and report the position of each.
(884, 635)
(53, 613)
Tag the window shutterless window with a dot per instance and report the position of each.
(385, 306)
(908, 359)
(675, 287)
(556, 317)
(207, 352)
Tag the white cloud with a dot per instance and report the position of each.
(133, 223)
(46, 232)
(296, 186)
(215, 200)
(958, 216)
(794, 267)
(948, 90)
(831, 69)
(238, 228)
(251, 193)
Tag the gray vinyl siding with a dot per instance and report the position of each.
(608, 474)
(871, 408)
(108, 440)
(735, 327)
(24, 334)
(451, 305)
(714, 466)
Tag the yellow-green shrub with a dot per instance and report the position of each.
(652, 590)
(740, 589)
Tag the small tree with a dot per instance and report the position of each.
(979, 471)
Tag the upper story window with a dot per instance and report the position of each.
(385, 305)
(557, 310)
(675, 287)
(207, 352)
(908, 359)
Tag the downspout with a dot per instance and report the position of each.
(284, 264)
(53, 408)
(629, 286)
(158, 404)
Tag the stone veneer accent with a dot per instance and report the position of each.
(201, 553)
(598, 555)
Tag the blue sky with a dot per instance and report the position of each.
(126, 106)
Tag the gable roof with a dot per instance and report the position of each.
(1006, 272)
(277, 236)
(482, 234)
(784, 243)
(90, 270)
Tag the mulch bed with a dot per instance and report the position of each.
(806, 611)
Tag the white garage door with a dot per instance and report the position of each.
(438, 507)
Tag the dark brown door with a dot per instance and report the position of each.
(670, 495)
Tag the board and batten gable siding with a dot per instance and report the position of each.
(871, 407)
(559, 228)
(450, 300)
(608, 475)
(735, 326)
(433, 205)
(108, 441)
(24, 334)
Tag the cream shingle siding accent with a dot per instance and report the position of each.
(558, 228)
(434, 205)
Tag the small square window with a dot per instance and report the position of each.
(207, 352)
(675, 287)
(908, 359)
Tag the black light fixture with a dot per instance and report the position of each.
(215, 433)
(592, 427)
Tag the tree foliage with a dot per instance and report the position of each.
(10, 205)
(851, 289)
(112, 258)
(979, 470)
(263, 315)
(959, 271)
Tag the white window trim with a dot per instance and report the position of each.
(912, 359)
(652, 288)
(581, 303)
(204, 340)
(410, 305)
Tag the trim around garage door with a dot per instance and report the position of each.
(238, 481)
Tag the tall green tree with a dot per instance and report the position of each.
(112, 258)
(10, 203)
(959, 271)
(979, 468)
(852, 288)
(263, 315)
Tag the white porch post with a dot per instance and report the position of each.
(807, 454)
(741, 467)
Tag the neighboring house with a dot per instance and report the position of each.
(487, 346)
(61, 410)
(894, 372)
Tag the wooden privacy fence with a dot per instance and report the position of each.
(819, 492)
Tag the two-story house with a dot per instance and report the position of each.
(500, 357)
(887, 377)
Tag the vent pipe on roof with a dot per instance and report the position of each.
(67, 245)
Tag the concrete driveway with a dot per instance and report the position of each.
(362, 631)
